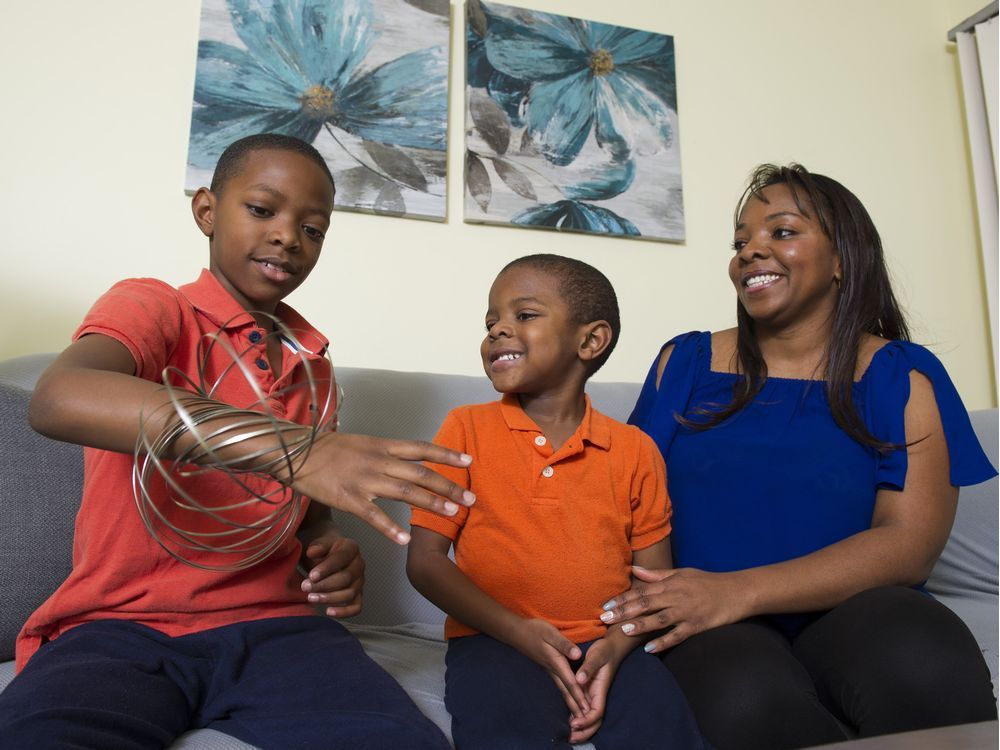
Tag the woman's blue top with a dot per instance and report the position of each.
(779, 479)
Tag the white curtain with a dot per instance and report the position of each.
(977, 54)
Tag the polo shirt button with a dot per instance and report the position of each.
(548, 471)
(255, 337)
(540, 440)
(261, 363)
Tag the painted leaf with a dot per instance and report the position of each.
(477, 180)
(358, 186)
(515, 179)
(491, 121)
(437, 7)
(397, 165)
(390, 200)
(476, 17)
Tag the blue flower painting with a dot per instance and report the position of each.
(571, 125)
(364, 81)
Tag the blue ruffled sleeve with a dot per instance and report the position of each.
(886, 393)
(655, 409)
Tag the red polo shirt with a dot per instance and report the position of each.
(551, 534)
(119, 570)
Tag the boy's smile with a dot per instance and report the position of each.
(266, 226)
(531, 345)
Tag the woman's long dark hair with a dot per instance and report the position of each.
(865, 305)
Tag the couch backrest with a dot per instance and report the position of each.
(40, 484)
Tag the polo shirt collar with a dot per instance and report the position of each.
(593, 427)
(209, 297)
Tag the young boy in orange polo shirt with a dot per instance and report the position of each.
(137, 647)
(567, 500)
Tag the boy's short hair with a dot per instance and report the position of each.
(236, 153)
(586, 291)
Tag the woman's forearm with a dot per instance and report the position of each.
(823, 579)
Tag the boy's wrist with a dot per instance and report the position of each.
(620, 644)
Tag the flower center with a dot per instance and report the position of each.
(601, 62)
(318, 102)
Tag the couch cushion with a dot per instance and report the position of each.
(965, 576)
(40, 486)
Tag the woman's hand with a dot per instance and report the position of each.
(684, 601)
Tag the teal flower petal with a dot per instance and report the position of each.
(403, 102)
(337, 38)
(649, 75)
(559, 116)
(214, 128)
(227, 76)
(630, 45)
(576, 215)
(269, 30)
(629, 114)
(602, 181)
(547, 48)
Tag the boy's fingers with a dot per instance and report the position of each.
(569, 683)
(348, 611)
(318, 549)
(570, 696)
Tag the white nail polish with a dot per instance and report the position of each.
(607, 617)
(628, 628)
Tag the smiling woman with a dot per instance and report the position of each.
(813, 458)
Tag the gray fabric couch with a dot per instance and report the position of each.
(40, 489)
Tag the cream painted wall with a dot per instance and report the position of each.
(97, 101)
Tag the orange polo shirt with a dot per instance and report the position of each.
(551, 535)
(119, 570)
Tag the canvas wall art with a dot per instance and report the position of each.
(364, 81)
(570, 124)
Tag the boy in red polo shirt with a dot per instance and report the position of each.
(136, 647)
(568, 499)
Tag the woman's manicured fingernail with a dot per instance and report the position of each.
(466, 459)
(469, 497)
(607, 617)
(628, 628)
(313, 597)
(649, 648)
(450, 508)
(610, 604)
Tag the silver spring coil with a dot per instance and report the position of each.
(242, 523)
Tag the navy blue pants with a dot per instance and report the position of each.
(500, 699)
(283, 683)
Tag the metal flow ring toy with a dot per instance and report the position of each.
(249, 514)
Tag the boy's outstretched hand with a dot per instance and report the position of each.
(348, 472)
(337, 577)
